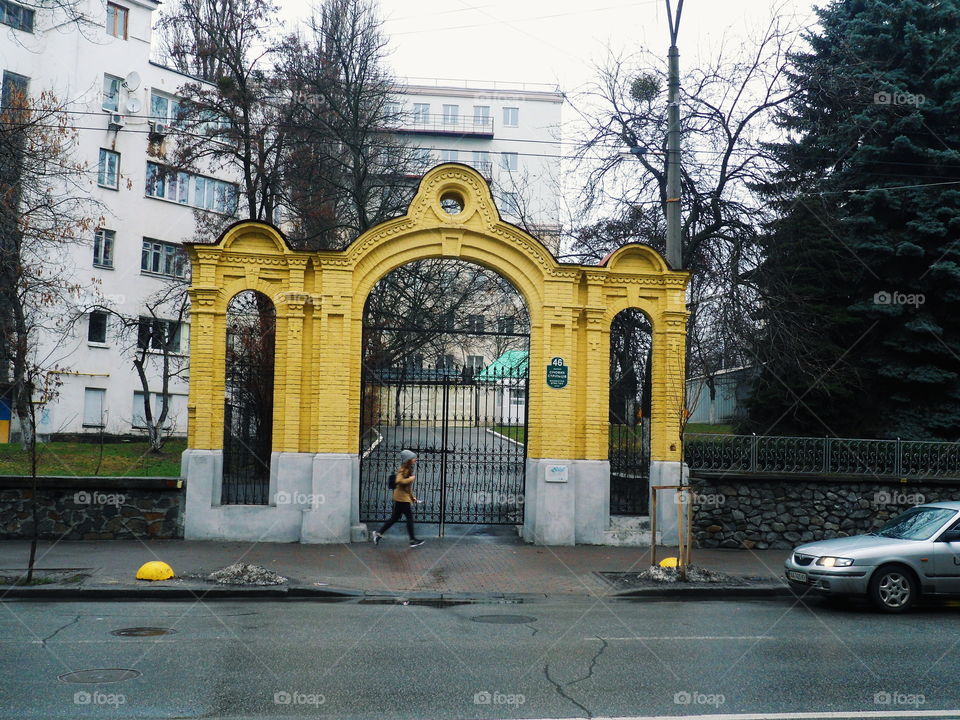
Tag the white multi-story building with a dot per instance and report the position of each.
(120, 104)
(507, 131)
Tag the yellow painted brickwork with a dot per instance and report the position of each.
(320, 296)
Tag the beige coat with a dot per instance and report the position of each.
(403, 492)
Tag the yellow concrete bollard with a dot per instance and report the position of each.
(155, 570)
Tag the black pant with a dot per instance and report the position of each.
(400, 509)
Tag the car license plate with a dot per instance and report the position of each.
(796, 576)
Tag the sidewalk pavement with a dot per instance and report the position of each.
(448, 567)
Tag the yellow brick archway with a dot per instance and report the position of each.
(320, 298)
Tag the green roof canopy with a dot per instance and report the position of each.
(512, 364)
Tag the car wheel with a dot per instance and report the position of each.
(893, 589)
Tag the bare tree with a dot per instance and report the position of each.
(347, 170)
(726, 112)
(236, 115)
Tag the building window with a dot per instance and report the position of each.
(449, 156)
(117, 20)
(481, 114)
(481, 161)
(188, 189)
(160, 258)
(158, 334)
(421, 159)
(15, 89)
(97, 327)
(164, 108)
(111, 93)
(475, 363)
(16, 16)
(156, 406)
(392, 110)
(510, 203)
(93, 407)
(509, 160)
(511, 117)
(451, 114)
(475, 323)
(421, 113)
(103, 248)
(108, 169)
(505, 325)
(517, 396)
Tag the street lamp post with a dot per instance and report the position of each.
(674, 246)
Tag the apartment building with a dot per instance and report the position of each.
(121, 106)
(507, 131)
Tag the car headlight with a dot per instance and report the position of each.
(828, 561)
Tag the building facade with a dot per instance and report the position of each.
(121, 105)
(509, 132)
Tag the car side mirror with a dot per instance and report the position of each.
(951, 535)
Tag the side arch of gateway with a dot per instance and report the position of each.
(317, 311)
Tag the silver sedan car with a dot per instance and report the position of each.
(917, 552)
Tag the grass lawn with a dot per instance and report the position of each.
(81, 459)
(514, 432)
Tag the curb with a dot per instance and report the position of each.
(721, 592)
(172, 592)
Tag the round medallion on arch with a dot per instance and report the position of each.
(454, 203)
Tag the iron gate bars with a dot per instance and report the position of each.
(248, 408)
(468, 429)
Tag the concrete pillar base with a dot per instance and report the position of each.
(328, 519)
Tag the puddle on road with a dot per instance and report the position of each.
(99, 675)
(504, 619)
(142, 632)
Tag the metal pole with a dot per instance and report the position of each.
(674, 248)
(445, 397)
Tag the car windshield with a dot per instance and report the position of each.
(915, 524)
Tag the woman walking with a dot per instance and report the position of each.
(403, 497)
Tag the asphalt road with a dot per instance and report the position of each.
(571, 658)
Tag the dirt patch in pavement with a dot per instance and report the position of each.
(672, 577)
(245, 574)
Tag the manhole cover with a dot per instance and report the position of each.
(504, 619)
(142, 631)
(103, 675)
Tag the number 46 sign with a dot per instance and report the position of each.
(557, 374)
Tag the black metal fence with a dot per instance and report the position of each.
(824, 456)
(468, 430)
(248, 408)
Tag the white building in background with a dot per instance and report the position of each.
(121, 104)
(507, 131)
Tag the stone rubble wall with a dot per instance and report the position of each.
(780, 514)
(99, 514)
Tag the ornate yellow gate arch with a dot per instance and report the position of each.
(319, 299)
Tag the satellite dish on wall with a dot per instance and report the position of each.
(134, 105)
(132, 80)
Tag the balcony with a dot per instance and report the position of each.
(459, 126)
(420, 169)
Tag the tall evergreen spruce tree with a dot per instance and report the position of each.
(861, 278)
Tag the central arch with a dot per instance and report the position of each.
(445, 374)
(319, 299)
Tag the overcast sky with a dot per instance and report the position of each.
(551, 41)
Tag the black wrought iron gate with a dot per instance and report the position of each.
(468, 428)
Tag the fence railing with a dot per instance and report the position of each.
(823, 456)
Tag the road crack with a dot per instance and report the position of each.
(43, 641)
(561, 688)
